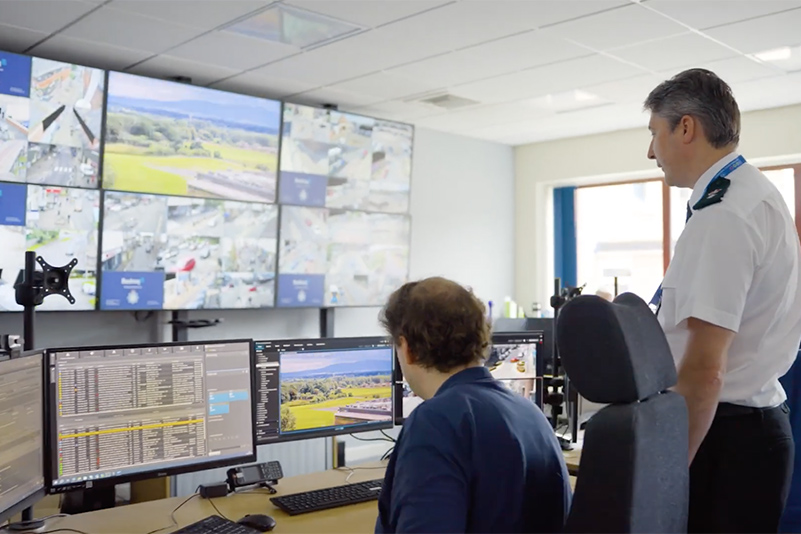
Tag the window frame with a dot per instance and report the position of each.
(666, 203)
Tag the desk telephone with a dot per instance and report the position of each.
(265, 475)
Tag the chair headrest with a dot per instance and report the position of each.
(614, 352)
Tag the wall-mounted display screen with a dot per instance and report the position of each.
(59, 224)
(176, 139)
(332, 257)
(162, 252)
(50, 121)
(340, 160)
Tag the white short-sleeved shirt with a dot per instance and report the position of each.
(737, 265)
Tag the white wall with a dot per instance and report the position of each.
(769, 137)
(462, 209)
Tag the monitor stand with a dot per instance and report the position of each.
(30, 525)
(88, 500)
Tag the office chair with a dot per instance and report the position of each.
(633, 475)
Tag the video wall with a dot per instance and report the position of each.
(172, 197)
(333, 257)
(340, 160)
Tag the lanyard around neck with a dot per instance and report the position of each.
(713, 190)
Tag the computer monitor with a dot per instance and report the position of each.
(128, 412)
(312, 388)
(532, 324)
(512, 359)
(22, 443)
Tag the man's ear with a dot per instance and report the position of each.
(689, 128)
(404, 352)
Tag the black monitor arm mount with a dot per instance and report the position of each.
(30, 289)
(557, 390)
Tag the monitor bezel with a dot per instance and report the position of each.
(335, 431)
(38, 494)
(161, 472)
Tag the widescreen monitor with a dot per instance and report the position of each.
(174, 253)
(331, 257)
(512, 359)
(60, 224)
(22, 442)
(128, 412)
(50, 121)
(50, 137)
(311, 388)
(172, 138)
(340, 160)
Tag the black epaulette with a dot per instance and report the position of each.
(714, 193)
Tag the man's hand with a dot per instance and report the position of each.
(701, 376)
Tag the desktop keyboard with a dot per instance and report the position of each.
(312, 501)
(215, 524)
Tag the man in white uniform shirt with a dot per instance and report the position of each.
(730, 306)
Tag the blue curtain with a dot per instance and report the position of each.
(791, 522)
(564, 219)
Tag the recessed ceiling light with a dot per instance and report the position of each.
(567, 101)
(786, 58)
(292, 26)
(776, 54)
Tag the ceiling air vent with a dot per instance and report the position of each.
(447, 101)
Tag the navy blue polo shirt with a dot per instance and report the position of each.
(475, 458)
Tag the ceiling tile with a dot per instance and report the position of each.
(500, 133)
(204, 14)
(703, 14)
(325, 95)
(619, 27)
(385, 86)
(777, 91)
(541, 13)
(739, 69)
(482, 116)
(674, 52)
(399, 110)
(129, 30)
(367, 13)
(15, 39)
(454, 26)
(43, 15)
(232, 51)
(375, 49)
(553, 78)
(168, 67)
(764, 33)
(510, 54)
(258, 85)
(71, 50)
(630, 90)
(577, 123)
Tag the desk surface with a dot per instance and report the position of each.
(572, 459)
(145, 517)
(149, 516)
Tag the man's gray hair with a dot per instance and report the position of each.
(705, 97)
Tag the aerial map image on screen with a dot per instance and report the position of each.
(177, 139)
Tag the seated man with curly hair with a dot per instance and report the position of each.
(473, 457)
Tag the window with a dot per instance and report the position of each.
(622, 230)
(784, 180)
(619, 232)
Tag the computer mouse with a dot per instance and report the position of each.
(261, 522)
